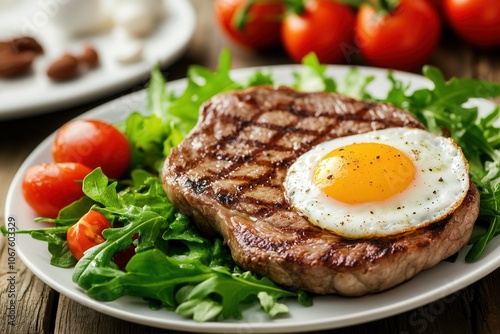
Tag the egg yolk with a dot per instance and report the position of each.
(364, 172)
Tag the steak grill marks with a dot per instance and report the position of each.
(227, 177)
(246, 165)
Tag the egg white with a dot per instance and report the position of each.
(440, 185)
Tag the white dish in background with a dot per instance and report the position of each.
(34, 93)
(327, 311)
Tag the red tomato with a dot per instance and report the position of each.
(262, 29)
(476, 21)
(50, 187)
(403, 39)
(123, 257)
(95, 144)
(325, 28)
(86, 233)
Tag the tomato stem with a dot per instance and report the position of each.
(295, 6)
(384, 6)
(241, 16)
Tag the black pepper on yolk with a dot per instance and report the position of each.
(364, 172)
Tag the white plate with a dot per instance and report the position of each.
(35, 93)
(327, 312)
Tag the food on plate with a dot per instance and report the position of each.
(228, 174)
(17, 56)
(24, 44)
(89, 56)
(152, 250)
(324, 27)
(49, 187)
(69, 66)
(93, 143)
(13, 65)
(63, 68)
(378, 183)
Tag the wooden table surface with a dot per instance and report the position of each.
(40, 309)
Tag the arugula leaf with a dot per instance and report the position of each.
(55, 237)
(256, 79)
(171, 117)
(148, 274)
(157, 97)
(152, 274)
(354, 84)
(312, 78)
(146, 135)
(202, 84)
(236, 289)
(187, 285)
(130, 208)
(192, 259)
(456, 91)
(57, 246)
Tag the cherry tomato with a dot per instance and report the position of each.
(50, 187)
(476, 21)
(325, 28)
(86, 233)
(403, 39)
(123, 257)
(438, 4)
(95, 144)
(262, 27)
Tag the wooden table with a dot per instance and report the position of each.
(40, 309)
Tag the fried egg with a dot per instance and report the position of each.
(378, 183)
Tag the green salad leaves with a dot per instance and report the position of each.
(175, 266)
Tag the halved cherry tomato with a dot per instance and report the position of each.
(402, 39)
(325, 28)
(261, 28)
(476, 21)
(95, 144)
(49, 187)
(86, 233)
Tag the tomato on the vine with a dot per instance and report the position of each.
(252, 24)
(402, 39)
(325, 27)
(476, 21)
(86, 233)
(95, 144)
(48, 188)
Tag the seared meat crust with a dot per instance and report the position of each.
(227, 176)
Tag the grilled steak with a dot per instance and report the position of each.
(227, 177)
